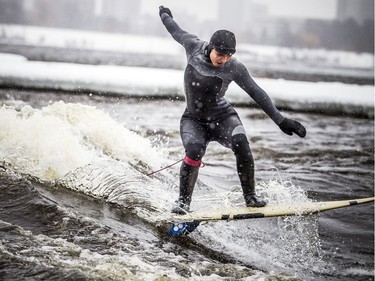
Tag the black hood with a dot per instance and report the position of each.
(223, 41)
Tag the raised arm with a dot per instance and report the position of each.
(186, 39)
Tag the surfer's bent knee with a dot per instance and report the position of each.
(195, 151)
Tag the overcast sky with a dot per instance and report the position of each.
(321, 9)
(204, 9)
(207, 9)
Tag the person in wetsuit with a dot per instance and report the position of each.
(209, 117)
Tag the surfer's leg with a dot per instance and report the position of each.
(194, 140)
(188, 178)
(232, 134)
(245, 169)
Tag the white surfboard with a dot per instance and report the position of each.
(193, 219)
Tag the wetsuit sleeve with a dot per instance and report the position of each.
(244, 80)
(186, 39)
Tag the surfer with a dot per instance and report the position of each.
(208, 117)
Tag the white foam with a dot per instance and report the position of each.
(59, 138)
(38, 144)
(278, 243)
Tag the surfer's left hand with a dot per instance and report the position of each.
(289, 126)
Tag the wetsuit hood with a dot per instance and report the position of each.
(223, 41)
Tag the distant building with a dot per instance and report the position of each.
(241, 14)
(103, 15)
(118, 9)
(241, 18)
(358, 10)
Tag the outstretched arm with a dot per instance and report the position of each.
(288, 126)
(181, 36)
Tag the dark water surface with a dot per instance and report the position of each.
(61, 229)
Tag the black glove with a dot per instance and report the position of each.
(289, 126)
(163, 10)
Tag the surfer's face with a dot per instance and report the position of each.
(219, 59)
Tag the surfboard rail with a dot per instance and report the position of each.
(277, 210)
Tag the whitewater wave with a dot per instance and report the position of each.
(81, 148)
(50, 142)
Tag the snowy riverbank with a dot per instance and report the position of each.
(89, 47)
(324, 97)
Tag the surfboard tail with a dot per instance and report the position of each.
(183, 228)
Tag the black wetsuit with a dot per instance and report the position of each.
(205, 86)
(208, 116)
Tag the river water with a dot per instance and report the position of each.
(76, 203)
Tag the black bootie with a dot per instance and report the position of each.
(246, 174)
(254, 201)
(251, 199)
(188, 178)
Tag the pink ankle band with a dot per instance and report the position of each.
(192, 162)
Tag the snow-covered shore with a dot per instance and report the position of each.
(324, 97)
(138, 44)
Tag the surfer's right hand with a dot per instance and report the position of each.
(164, 10)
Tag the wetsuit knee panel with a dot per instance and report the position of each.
(239, 140)
(240, 146)
(239, 130)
